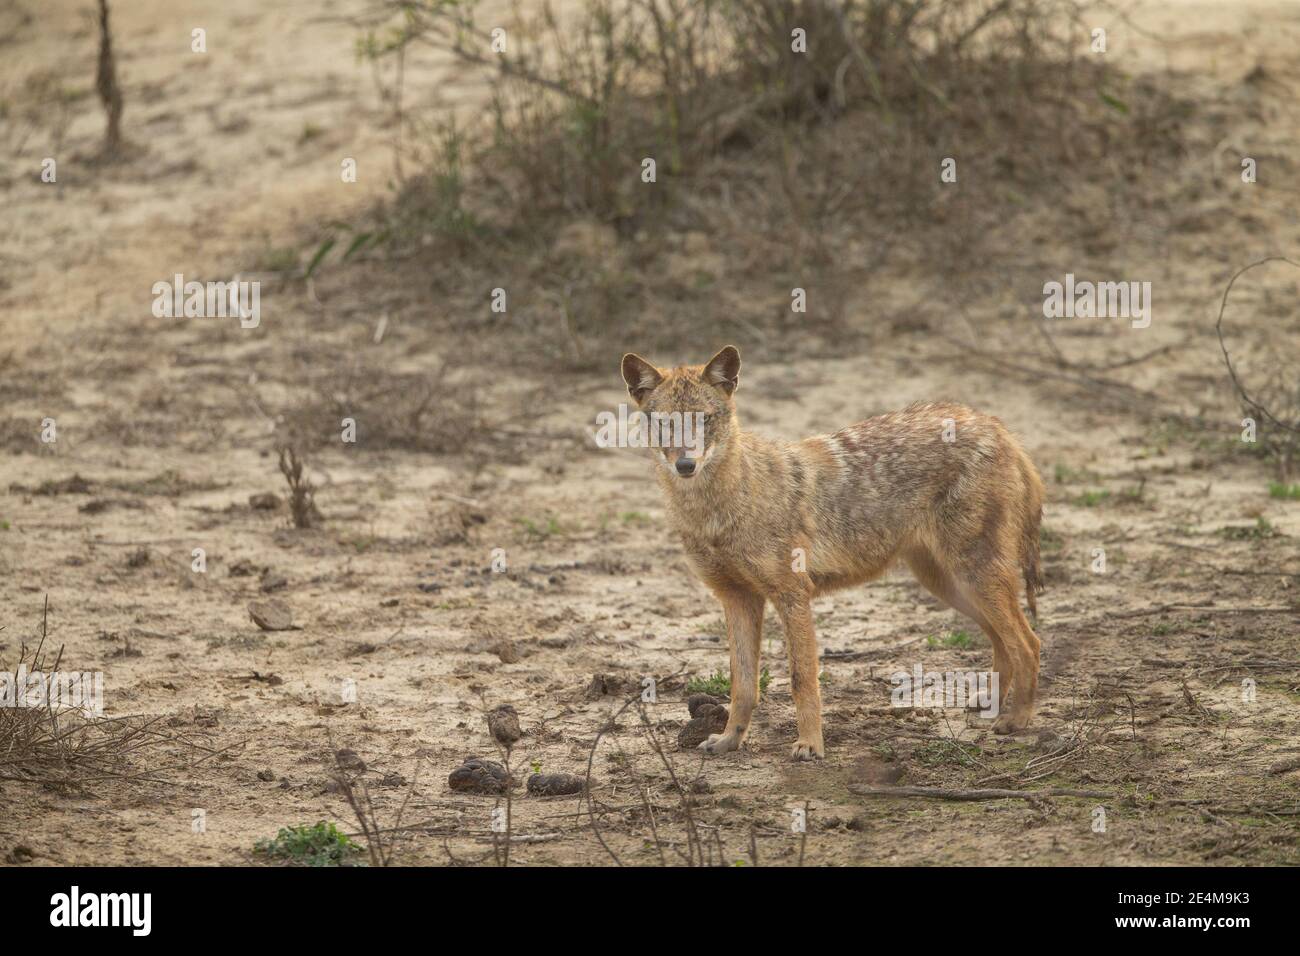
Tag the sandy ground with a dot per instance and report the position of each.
(238, 158)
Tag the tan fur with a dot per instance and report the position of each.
(963, 515)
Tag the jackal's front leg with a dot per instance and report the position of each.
(744, 612)
(801, 647)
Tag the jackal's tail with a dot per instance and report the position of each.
(1030, 556)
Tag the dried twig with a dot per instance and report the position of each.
(943, 793)
(1293, 427)
(1206, 609)
(110, 93)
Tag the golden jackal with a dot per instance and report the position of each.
(945, 489)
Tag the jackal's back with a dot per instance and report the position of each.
(936, 474)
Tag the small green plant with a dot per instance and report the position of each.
(961, 640)
(1090, 499)
(716, 684)
(361, 543)
(1049, 540)
(445, 187)
(719, 685)
(280, 259)
(1134, 493)
(432, 203)
(1065, 475)
(637, 518)
(319, 845)
(1278, 489)
(455, 604)
(939, 753)
(541, 530)
(1262, 528)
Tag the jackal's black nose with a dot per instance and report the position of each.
(685, 467)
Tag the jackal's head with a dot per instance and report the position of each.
(690, 409)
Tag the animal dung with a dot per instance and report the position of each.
(479, 776)
(555, 784)
(710, 718)
(696, 701)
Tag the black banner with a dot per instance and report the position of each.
(293, 904)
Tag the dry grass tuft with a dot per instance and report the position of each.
(434, 412)
(66, 748)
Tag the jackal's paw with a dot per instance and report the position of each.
(803, 750)
(1010, 723)
(721, 743)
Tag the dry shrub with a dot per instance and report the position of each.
(302, 493)
(434, 412)
(40, 107)
(795, 168)
(1276, 407)
(19, 435)
(1264, 364)
(66, 748)
(578, 102)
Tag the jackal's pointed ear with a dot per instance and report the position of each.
(640, 375)
(723, 370)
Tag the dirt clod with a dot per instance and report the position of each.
(242, 568)
(99, 505)
(76, 485)
(271, 615)
(348, 759)
(608, 685)
(272, 581)
(20, 854)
